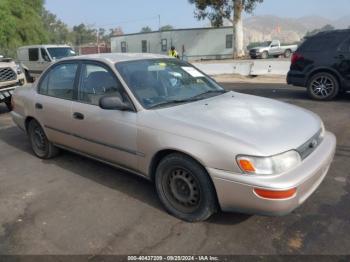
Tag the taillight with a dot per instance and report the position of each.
(296, 57)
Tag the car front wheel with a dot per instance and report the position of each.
(323, 86)
(185, 189)
(41, 146)
(265, 55)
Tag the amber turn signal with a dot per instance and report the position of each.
(269, 194)
(246, 166)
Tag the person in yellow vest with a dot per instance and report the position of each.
(173, 52)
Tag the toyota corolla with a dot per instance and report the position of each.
(205, 149)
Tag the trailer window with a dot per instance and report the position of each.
(229, 39)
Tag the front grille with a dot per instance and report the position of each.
(306, 149)
(7, 74)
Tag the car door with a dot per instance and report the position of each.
(109, 135)
(34, 60)
(274, 48)
(343, 61)
(53, 103)
(45, 59)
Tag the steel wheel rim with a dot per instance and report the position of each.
(182, 190)
(39, 139)
(322, 86)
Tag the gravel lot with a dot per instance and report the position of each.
(73, 205)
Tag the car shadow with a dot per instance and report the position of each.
(343, 151)
(128, 183)
(3, 109)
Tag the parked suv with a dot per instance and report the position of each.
(322, 65)
(35, 59)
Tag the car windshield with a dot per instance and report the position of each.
(166, 82)
(60, 52)
(266, 44)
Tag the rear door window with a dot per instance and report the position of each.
(322, 43)
(59, 81)
(33, 54)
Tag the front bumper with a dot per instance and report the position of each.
(20, 81)
(6, 93)
(255, 54)
(236, 191)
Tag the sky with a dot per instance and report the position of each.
(132, 15)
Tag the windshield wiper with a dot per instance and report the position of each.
(171, 102)
(191, 99)
(198, 97)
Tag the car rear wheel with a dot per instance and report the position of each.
(185, 189)
(41, 146)
(287, 53)
(323, 86)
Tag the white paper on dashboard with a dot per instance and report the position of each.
(192, 71)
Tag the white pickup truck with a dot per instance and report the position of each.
(11, 76)
(272, 48)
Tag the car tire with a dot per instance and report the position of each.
(265, 55)
(29, 78)
(9, 105)
(39, 142)
(287, 53)
(185, 188)
(323, 87)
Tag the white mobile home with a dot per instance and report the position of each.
(192, 44)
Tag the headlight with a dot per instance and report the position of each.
(269, 165)
(18, 70)
(323, 130)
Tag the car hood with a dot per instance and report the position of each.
(7, 64)
(269, 126)
(258, 48)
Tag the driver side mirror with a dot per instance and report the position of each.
(114, 103)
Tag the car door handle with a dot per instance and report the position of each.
(78, 116)
(39, 106)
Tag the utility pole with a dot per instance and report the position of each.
(159, 24)
(98, 41)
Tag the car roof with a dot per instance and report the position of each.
(44, 46)
(117, 57)
(333, 32)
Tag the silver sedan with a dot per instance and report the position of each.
(204, 148)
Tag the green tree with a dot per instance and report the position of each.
(146, 29)
(21, 24)
(83, 34)
(58, 32)
(218, 10)
(166, 28)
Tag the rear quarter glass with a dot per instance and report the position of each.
(323, 42)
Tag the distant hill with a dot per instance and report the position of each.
(288, 30)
